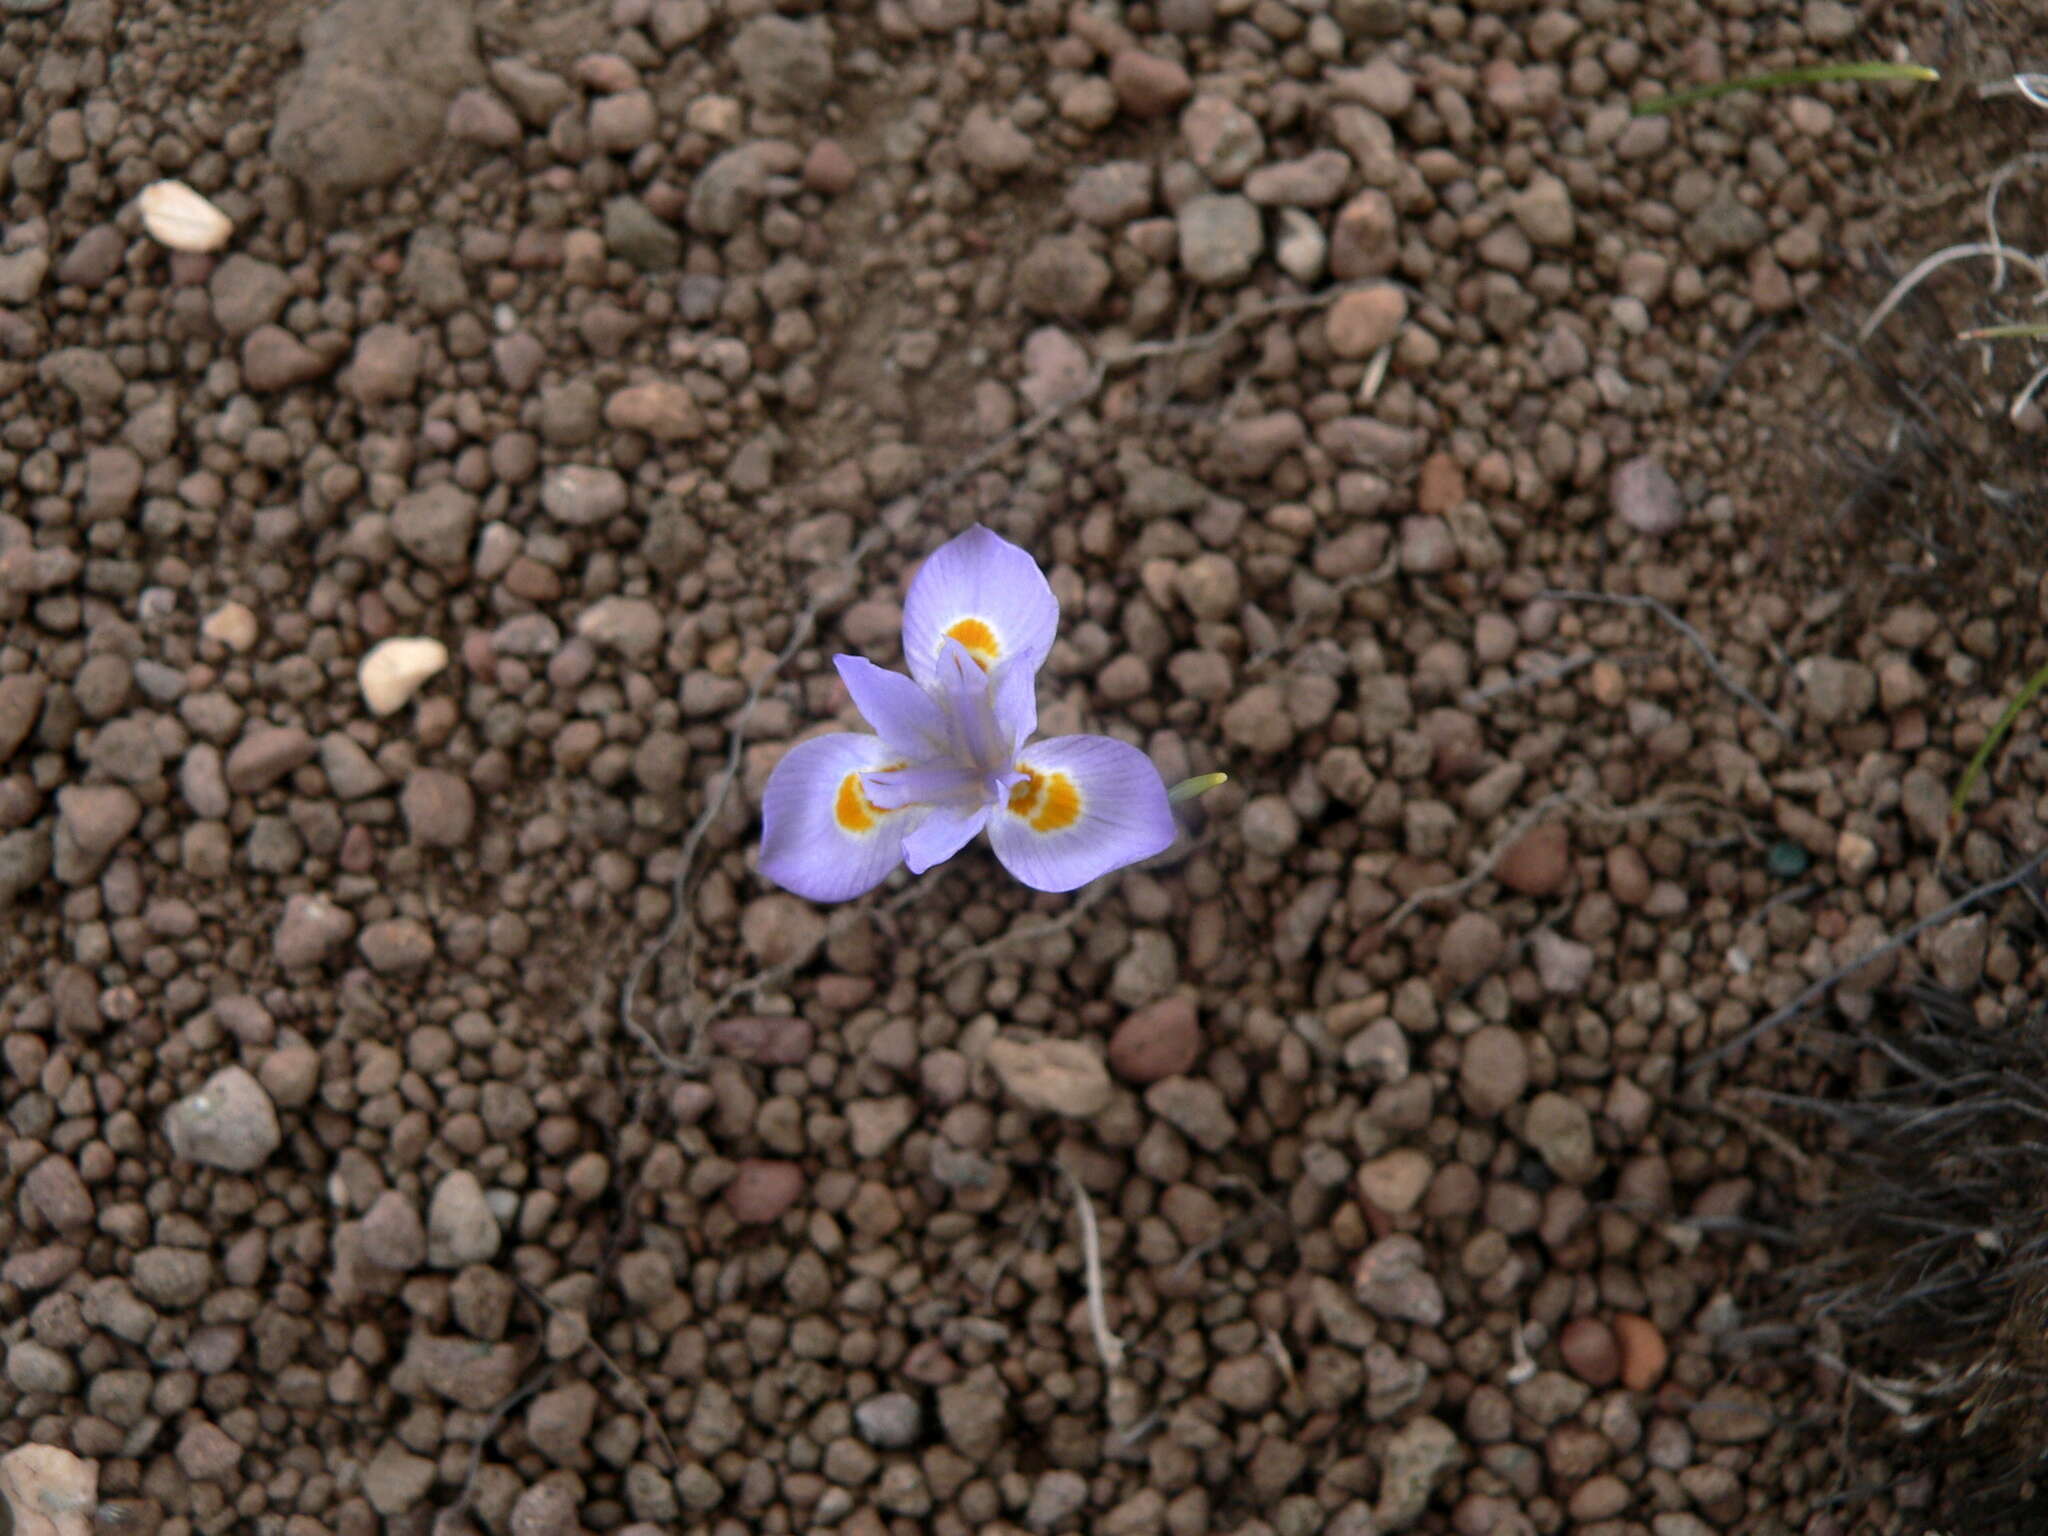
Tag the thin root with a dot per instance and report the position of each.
(1934, 263)
(1107, 1344)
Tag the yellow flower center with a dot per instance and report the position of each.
(980, 641)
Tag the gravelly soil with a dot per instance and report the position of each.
(423, 1118)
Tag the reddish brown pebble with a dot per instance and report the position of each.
(1440, 486)
(1160, 1040)
(1628, 875)
(1643, 1351)
(828, 168)
(763, 1189)
(1366, 319)
(1590, 1351)
(775, 1042)
(1146, 85)
(1539, 863)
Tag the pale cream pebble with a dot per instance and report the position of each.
(395, 670)
(49, 1491)
(180, 218)
(233, 625)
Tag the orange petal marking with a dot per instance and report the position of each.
(852, 808)
(1049, 802)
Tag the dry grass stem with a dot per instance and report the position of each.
(1935, 263)
(1699, 643)
(1815, 991)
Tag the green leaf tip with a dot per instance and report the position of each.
(1982, 757)
(1200, 784)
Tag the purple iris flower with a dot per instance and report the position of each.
(949, 754)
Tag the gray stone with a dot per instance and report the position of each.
(24, 862)
(889, 1421)
(633, 233)
(312, 929)
(1223, 139)
(1646, 497)
(1220, 239)
(1837, 692)
(631, 626)
(394, 1237)
(581, 495)
(460, 1227)
(22, 273)
(1393, 1279)
(89, 375)
(35, 1367)
(91, 821)
(1561, 1132)
(974, 1412)
(1411, 1466)
(785, 63)
(1726, 227)
(435, 525)
(369, 101)
(396, 1480)
(247, 293)
(1112, 194)
(536, 94)
(1193, 1106)
(172, 1278)
(229, 1123)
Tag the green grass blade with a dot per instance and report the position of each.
(1201, 784)
(1975, 771)
(1777, 79)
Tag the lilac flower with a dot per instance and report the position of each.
(948, 756)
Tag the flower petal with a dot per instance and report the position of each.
(908, 719)
(1013, 688)
(821, 836)
(985, 592)
(1087, 805)
(941, 835)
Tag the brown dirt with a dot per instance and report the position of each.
(432, 1122)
